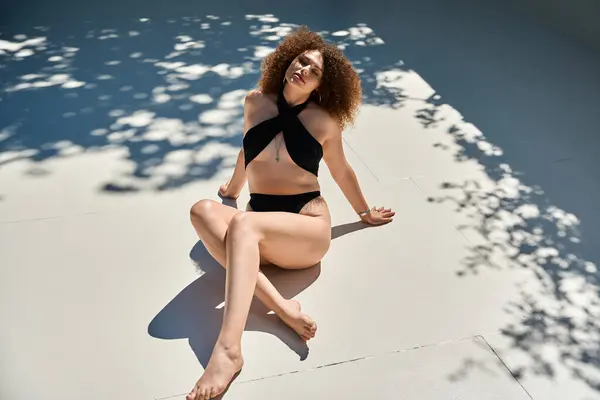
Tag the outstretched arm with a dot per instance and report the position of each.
(344, 176)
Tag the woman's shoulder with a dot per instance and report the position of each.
(257, 98)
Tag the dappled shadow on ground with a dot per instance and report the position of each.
(521, 130)
(167, 91)
(516, 225)
(531, 200)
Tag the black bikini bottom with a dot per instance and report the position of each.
(292, 203)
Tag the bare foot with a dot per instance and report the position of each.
(221, 368)
(301, 323)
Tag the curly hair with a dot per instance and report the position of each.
(340, 89)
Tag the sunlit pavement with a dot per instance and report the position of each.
(479, 128)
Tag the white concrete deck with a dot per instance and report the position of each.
(480, 128)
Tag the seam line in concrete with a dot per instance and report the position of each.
(451, 223)
(390, 353)
(360, 159)
(44, 218)
(506, 366)
(28, 220)
(393, 352)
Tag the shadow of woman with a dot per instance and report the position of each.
(196, 312)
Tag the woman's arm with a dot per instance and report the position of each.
(234, 186)
(343, 174)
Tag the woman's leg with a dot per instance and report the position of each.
(211, 221)
(288, 240)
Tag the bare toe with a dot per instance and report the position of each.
(222, 367)
(301, 323)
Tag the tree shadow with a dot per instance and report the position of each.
(531, 201)
(521, 226)
(165, 90)
(72, 85)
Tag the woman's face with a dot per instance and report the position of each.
(306, 71)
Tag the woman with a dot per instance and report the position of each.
(307, 93)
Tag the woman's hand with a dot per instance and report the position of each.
(226, 193)
(378, 216)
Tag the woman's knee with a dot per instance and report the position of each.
(202, 210)
(242, 225)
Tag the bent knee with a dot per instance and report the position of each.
(202, 209)
(242, 224)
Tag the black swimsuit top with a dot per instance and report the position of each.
(304, 149)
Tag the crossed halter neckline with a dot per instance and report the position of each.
(302, 147)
